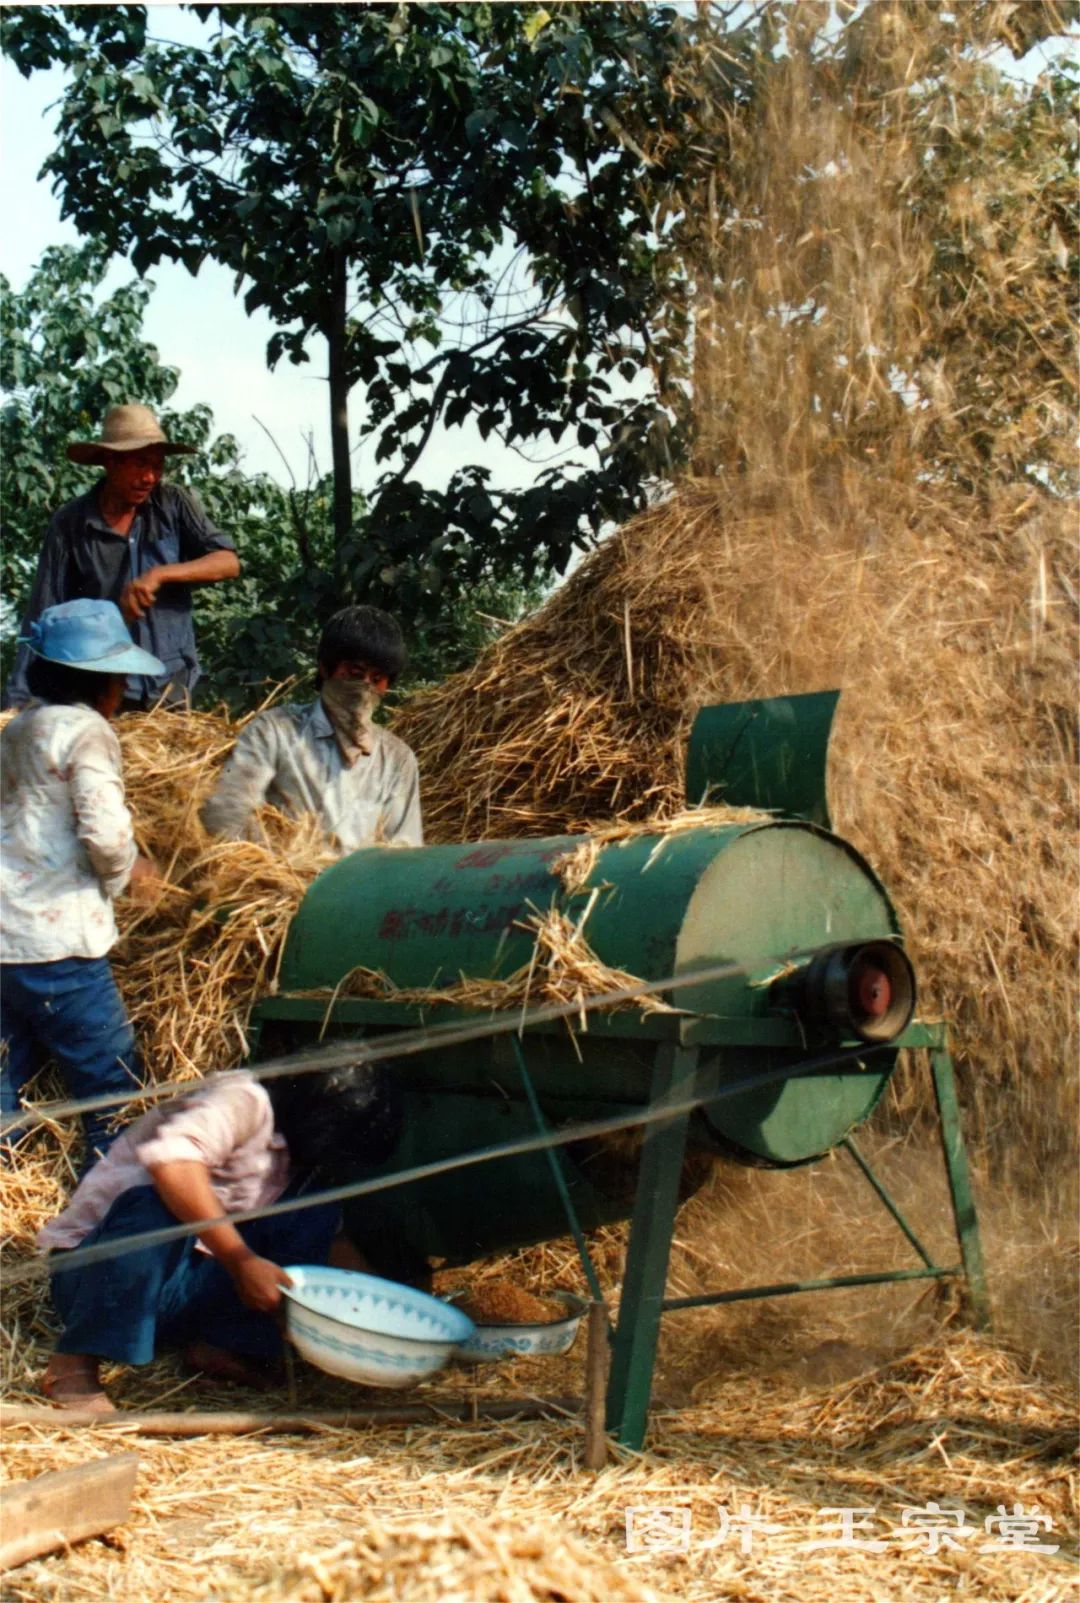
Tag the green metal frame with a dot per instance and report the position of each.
(643, 1302)
(652, 1225)
(556, 1163)
(675, 1076)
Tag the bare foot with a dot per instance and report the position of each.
(344, 1255)
(73, 1380)
(220, 1364)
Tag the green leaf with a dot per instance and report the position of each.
(535, 23)
(339, 228)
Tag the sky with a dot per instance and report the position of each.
(200, 326)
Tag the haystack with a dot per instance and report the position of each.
(948, 630)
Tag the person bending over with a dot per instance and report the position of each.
(67, 850)
(231, 1145)
(328, 757)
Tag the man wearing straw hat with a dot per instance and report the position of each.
(67, 849)
(139, 542)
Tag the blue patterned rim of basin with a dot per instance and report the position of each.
(370, 1330)
(537, 1341)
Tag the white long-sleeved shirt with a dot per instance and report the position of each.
(289, 756)
(67, 845)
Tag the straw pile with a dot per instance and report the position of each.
(190, 967)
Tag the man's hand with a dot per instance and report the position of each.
(258, 1282)
(145, 885)
(139, 595)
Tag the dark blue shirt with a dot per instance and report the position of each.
(83, 557)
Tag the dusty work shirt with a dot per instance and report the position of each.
(227, 1124)
(82, 556)
(66, 842)
(290, 757)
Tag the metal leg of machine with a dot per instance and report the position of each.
(956, 1167)
(655, 1205)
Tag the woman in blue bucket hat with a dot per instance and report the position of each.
(67, 850)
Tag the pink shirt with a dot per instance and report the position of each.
(226, 1124)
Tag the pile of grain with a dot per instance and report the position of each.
(500, 1302)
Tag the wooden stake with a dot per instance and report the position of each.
(207, 1423)
(65, 1506)
(596, 1369)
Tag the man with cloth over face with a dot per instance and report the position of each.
(139, 542)
(328, 757)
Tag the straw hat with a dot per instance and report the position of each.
(127, 428)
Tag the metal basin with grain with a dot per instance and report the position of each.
(372, 1331)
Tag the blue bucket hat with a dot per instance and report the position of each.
(90, 635)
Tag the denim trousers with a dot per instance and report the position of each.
(151, 1299)
(69, 1010)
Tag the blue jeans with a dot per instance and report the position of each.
(70, 1010)
(143, 1302)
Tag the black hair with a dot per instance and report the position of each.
(362, 634)
(61, 683)
(338, 1119)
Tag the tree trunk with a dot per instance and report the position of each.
(339, 408)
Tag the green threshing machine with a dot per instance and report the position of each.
(795, 998)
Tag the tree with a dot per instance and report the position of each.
(452, 196)
(68, 354)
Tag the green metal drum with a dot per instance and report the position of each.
(797, 999)
(759, 896)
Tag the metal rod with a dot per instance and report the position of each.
(788, 1289)
(596, 1368)
(850, 1146)
(555, 1163)
(202, 1422)
(75, 1257)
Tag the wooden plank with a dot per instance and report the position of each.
(207, 1423)
(65, 1506)
(596, 1375)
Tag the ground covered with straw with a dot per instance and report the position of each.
(738, 1495)
(767, 1416)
